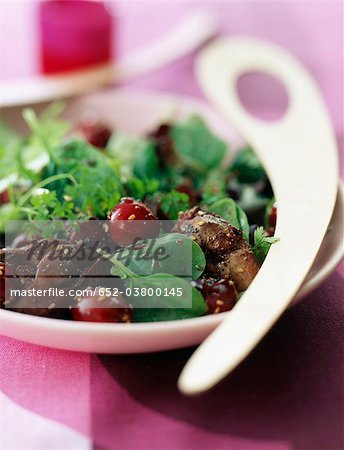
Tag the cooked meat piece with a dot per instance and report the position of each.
(61, 267)
(99, 271)
(228, 254)
(53, 272)
(240, 266)
(29, 254)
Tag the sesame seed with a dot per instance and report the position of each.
(201, 222)
(51, 306)
(217, 310)
(1, 273)
(220, 302)
(201, 213)
(132, 217)
(67, 198)
(125, 318)
(240, 270)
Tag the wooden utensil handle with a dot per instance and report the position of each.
(299, 153)
(221, 64)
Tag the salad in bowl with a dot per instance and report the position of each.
(170, 188)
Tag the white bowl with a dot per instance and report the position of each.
(137, 112)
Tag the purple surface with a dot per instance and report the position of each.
(289, 391)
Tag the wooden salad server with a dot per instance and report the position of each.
(299, 153)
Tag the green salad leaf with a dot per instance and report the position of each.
(229, 210)
(10, 143)
(183, 256)
(166, 307)
(146, 164)
(262, 244)
(138, 188)
(247, 166)
(47, 131)
(98, 187)
(171, 203)
(197, 147)
(124, 149)
(214, 186)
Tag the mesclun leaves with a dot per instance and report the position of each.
(146, 163)
(138, 188)
(182, 256)
(47, 206)
(94, 195)
(196, 146)
(171, 203)
(164, 307)
(97, 188)
(247, 166)
(49, 215)
(214, 187)
(10, 143)
(124, 149)
(262, 244)
(47, 130)
(229, 210)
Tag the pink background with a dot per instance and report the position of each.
(288, 393)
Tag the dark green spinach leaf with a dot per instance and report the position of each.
(229, 210)
(197, 147)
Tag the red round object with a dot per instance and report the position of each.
(97, 135)
(74, 34)
(272, 220)
(131, 220)
(219, 295)
(4, 198)
(102, 308)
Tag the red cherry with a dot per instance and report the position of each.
(95, 132)
(4, 198)
(272, 220)
(130, 220)
(220, 295)
(102, 308)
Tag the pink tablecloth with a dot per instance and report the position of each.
(289, 391)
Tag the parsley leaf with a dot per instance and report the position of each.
(262, 244)
(138, 188)
(98, 187)
(47, 130)
(48, 215)
(171, 203)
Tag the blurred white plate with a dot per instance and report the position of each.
(137, 112)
